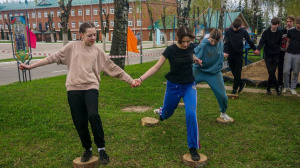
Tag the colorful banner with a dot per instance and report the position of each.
(20, 38)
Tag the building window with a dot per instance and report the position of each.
(138, 9)
(6, 27)
(138, 23)
(129, 22)
(5, 16)
(104, 24)
(130, 9)
(53, 25)
(58, 25)
(0, 16)
(21, 14)
(39, 14)
(95, 11)
(74, 36)
(73, 12)
(52, 13)
(58, 13)
(16, 14)
(112, 23)
(79, 12)
(33, 14)
(29, 25)
(104, 11)
(33, 25)
(1, 26)
(45, 14)
(96, 23)
(112, 10)
(73, 24)
(80, 22)
(87, 11)
(27, 15)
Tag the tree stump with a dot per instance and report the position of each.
(187, 160)
(181, 104)
(149, 121)
(233, 96)
(222, 121)
(93, 162)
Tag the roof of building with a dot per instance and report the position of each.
(212, 18)
(44, 4)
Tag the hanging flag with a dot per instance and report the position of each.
(31, 38)
(131, 41)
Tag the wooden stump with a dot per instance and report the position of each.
(149, 121)
(233, 96)
(93, 162)
(187, 160)
(181, 104)
(222, 121)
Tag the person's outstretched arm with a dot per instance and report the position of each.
(34, 65)
(249, 41)
(152, 70)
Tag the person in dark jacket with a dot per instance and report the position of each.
(233, 49)
(271, 39)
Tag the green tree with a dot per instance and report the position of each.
(64, 17)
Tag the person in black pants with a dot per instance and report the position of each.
(271, 39)
(233, 50)
(289, 24)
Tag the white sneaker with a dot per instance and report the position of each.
(285, 90)
(225, 117)
(293, 91)
(157, 111)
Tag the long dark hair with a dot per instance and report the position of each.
(184, 31)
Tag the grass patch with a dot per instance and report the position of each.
(37, 129)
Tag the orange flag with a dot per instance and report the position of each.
(131, 41)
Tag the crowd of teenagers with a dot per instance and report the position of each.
(190, 64)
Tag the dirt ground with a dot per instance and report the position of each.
(256, 72)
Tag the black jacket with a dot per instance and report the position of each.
(271, 41)
(234, 41)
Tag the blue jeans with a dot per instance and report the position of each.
(174, 92)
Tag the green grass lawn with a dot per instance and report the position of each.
(37, 129)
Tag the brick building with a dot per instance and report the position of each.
(82, 11)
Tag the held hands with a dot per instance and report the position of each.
(136, 83)
(256, 52)
(226, 55)
(24, 67)
(198, 61)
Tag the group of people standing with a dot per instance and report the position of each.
(189, 65)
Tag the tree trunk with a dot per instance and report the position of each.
(102, 27)
(119, 40)
(184, 12)
(221, 18)
(254, 15)
(151, 22)
(163, 18)
(64, 17)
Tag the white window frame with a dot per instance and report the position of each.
(73, 25)
(96, 23)
(138, 9)
(74, 36)
(87, 11)
(39, 14)
(5, 16)
(45, 14)
(33, 25)
(5, 27)
(129, 22)
(53, 25)
(58, 13)
(112, 10)
(112, 23)
(104, 24)
(130, 9)
(104, 9)
(59, 25)
(27, 15)
(52, 13)
(79, 23)
(16, 14)
(95, 11)
(138, 22)
(79, 12)
(72, 12)
(33, 14)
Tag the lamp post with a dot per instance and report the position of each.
(141, 37)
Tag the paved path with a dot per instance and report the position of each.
(252, 90)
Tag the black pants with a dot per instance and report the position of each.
(272, 63)
(235, 65)
(84, 109)
(280, 69)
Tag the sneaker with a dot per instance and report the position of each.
(225, 117)
(285, 90)
(242, 87)
(293, 91)
(233, 91)
(87, 155)
(157, 111)
(194, 154)
(104, 158)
